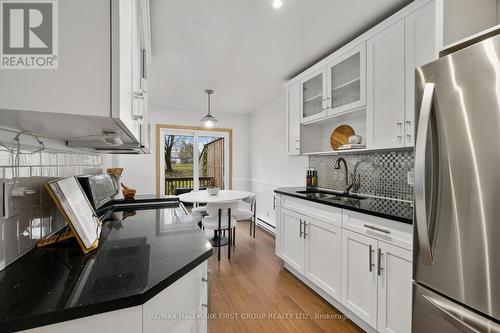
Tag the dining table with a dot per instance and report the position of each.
(203, 197)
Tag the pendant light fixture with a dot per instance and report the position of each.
(208, 120)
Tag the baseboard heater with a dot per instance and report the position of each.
(267, 226)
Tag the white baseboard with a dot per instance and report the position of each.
(336, 304)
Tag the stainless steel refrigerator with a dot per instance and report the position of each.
(456, 274)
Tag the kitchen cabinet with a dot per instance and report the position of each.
(359, 276)
(187, 296)
(363, 262)
(101, 82)
(309, 240)
(313, 95)
(386, 87)
(394, 288)
(293, 119)
(346, 81)
(292, 241)
(420, 49)
(323, 255)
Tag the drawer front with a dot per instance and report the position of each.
(331, 215)
(396, 233)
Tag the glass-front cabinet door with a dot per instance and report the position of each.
(312, 97)
(347, 81)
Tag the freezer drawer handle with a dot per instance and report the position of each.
(369, 226)
(462, 319)
(420, 153)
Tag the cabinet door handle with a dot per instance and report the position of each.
(399, 130)
(408, 131)
(379, 262)
(370, 258)
(304, 232)
(207, 281)
(300, 229)
(369, 226)
(274, 202)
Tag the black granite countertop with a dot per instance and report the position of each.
(137, 258)
(397, 210)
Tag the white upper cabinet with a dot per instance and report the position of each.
(386, 88)
(293, 119)
(420, 44)
(346, 81)
(313, 96)
(100, 84)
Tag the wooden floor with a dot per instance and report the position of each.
(254, 284)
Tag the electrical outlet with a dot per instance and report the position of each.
(410, 177)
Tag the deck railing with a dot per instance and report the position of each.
(179, 185)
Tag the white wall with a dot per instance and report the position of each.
(270, 166)
(140, 170)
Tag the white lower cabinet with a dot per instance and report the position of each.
(394, 288)
(313, 248)
(292, 242)
(323, 256)
(359, 276)
(364, 263)
(376, 282)
(181, 307)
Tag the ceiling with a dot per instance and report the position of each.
(245, 49)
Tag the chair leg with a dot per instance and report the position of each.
(219, 235)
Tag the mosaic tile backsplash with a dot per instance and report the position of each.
(34, 215)
(380, 173)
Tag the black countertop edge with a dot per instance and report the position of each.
(284, 191)
(60, 316)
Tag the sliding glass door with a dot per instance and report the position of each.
(193, 160)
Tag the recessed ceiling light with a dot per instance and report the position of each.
(277, 4)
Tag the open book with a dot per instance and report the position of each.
(79, 214)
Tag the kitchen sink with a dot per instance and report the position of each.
(320, 194)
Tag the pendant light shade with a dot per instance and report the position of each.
(208, 120)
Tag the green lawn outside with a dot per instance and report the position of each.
(180, 170)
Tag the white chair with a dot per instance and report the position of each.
(197, 213)
(221, 217)
(248, 214)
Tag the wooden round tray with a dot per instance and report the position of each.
(340, 136)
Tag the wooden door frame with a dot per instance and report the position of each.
(159, 127)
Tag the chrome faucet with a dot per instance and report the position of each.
(337, 167)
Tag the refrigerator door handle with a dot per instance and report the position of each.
(420, 153)
(464, 320)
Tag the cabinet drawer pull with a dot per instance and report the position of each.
(204, 305)
(370, 258)
(369, 226)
